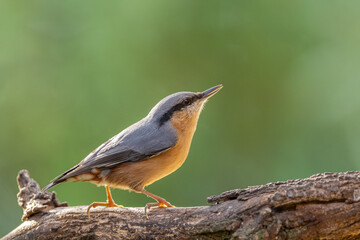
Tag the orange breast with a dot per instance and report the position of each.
(137, 175)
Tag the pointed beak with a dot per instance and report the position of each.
(208, 93)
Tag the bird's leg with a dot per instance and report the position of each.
(109, 203)
(160, 202)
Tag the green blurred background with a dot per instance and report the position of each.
(75, 73)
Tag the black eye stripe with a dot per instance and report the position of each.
(185, 102)
(189, 100)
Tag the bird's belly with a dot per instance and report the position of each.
(164, 164)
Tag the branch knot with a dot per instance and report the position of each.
(32, 199)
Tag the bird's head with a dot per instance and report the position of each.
(182, 108)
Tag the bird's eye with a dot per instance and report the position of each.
(186, 101)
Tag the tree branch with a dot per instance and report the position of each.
(322, 206)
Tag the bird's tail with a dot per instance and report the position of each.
(59, 179)
(50, 186)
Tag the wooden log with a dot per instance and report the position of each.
(324, 206)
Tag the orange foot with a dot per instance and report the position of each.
(157, 204)
(103, 204)
(109, 203)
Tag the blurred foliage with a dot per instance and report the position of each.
(75, 73)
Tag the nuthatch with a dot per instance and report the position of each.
(145, 152)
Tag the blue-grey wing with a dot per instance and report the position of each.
(138, 142)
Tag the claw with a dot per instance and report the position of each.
(157, 204)
(103, 204)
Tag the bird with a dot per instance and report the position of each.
(145, 152)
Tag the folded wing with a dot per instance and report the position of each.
(138, 142)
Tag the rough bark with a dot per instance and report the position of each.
(324, 206)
